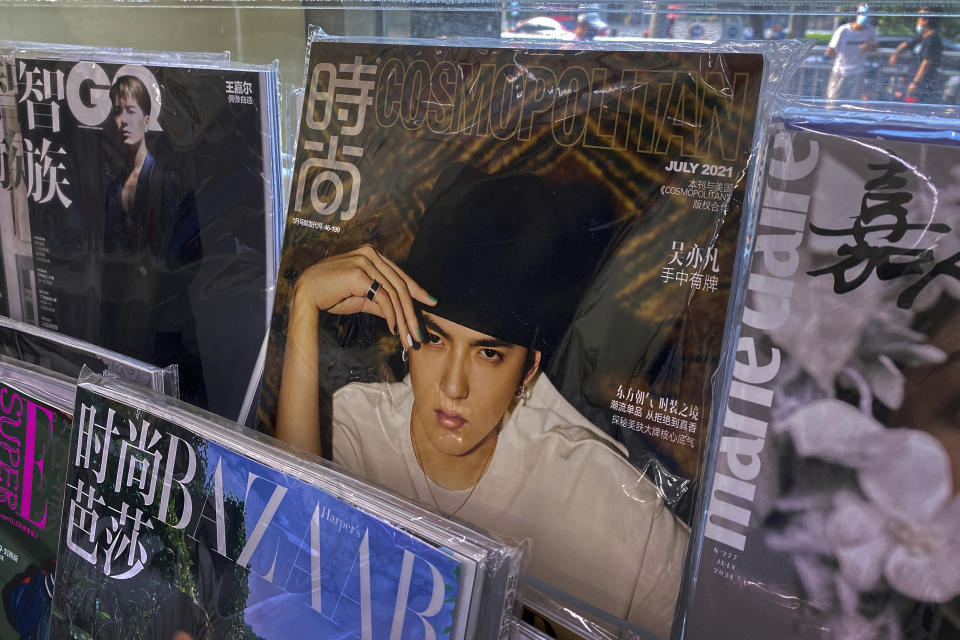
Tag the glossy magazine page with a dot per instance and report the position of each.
(34, 442)
(171, 528)
(834, 512)
(17, 290)
(144, 197)
(503, 288)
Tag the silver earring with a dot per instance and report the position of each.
(523, 394)
(404, 355)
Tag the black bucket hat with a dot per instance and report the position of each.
(509, 255)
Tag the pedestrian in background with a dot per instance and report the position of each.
(849, 47)
(927, 49)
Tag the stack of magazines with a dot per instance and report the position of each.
(139, 229)
(179, 521)
(144, 517)
(139, 207)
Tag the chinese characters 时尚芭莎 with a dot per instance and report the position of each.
(476, 429)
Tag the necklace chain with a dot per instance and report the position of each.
(483, 470)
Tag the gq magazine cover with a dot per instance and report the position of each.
(143, 202)
(834, 512)
(503, 289)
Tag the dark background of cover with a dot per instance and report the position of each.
(7, 110)
(217, 149)
(631, 330)
(177, 559)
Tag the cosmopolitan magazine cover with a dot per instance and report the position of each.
(503, 289)
(143, 208)
(834, 512)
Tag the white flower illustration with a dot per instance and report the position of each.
(905, 527)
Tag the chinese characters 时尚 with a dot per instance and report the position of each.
(489, 254)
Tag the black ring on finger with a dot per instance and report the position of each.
(372, 291)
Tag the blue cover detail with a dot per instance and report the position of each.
(280, 603)
(170, 532)
(30, 607)
(909, 127)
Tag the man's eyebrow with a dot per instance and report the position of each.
(487, 343)
(492, 343)
(433, 326)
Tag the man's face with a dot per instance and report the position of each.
(922, 22)
(463, 383)
(130, 120)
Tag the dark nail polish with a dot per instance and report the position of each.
(432, 299)
(416, 346)
(420, 333)
(395, 329)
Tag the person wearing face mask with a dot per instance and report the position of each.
(923, 77)
(848, 47)
(476, 429)
(151, 248)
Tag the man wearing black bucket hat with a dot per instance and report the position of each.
(485, 295)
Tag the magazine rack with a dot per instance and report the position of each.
(895, 99)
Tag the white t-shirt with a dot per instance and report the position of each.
(846, 41)
(599, 528)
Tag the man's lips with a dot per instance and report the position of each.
(449, 419)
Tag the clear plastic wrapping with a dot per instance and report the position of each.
(544, 235)
(249, 536)
(67, 356)
(139, 207)
(520, 630)
(36, 406)
(50, 387)
(833, 505)
(557, 615)
(105, 53)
